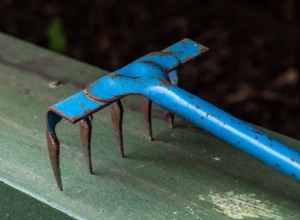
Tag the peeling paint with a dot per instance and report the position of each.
(196, 213)
(240, 206)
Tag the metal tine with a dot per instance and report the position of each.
(146, 109)
(117, 118)
(170, 116)
(147, 106)
(174, 78)
(85, 127)
(53, 148)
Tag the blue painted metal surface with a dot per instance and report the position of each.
(155, 77)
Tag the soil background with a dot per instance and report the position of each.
(251, 70)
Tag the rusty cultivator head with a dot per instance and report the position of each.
(155, 77)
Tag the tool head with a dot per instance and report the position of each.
(155, 77)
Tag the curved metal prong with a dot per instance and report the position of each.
(53, 145)
(117, 118)
(174, 78)
(170, 116)
(85, 126)
(146, 109)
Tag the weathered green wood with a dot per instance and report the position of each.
(183, 174)
(17, 205)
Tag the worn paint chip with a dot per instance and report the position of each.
(240, 206)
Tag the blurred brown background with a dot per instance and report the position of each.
(251, 70)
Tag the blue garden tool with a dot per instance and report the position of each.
(155, 77)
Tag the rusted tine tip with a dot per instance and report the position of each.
(53, 145)
(53, 148)
(85, 126)
(117, 120)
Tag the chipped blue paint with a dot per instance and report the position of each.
(155, 76)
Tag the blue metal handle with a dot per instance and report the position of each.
(155, 76)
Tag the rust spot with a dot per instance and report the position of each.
(89, 86)
(165, 83)
(257, 132)
(210, 114)
(270, 138)
(197, 106)
(161, 53)
(190, 96)
(115, 76)
(188, 58)
(82, 105)
(152, 54)
(294, 160)
(148, 62)
(203, 49)
(76, 119)
(88, 112)
(165, 69)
